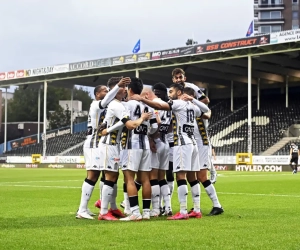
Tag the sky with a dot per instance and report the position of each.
(38, 33)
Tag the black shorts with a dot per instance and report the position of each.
(294, 159)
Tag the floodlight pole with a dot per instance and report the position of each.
(39, 115)
(258, 93)
(72, 96)
(287, 91)
(5, 122)
(231, 97)
(249, 104)
(45, 119)
(137, 73)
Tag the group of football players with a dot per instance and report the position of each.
(152, 135)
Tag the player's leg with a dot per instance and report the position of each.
(208, 186)
(182, 156)
(144, 176)
(169, 172)
(212, 169)
(155, 190)
(130, 169)
(163, 152)
(88, 185)
(109, 161)
(101, 183)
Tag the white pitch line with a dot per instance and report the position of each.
(20, 182)
(226, 193)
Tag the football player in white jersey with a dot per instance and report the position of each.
(204, 150)
(90, 147)
(109, 146)
(185, 157)
(136, 157)
(160, 158)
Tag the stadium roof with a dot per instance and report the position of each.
(274, 56)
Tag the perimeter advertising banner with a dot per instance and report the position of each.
(90, 64)
(233, 44)
(285, 36)
(31, 140)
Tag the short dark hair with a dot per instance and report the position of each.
(160, 86)
(177, 71)
(113, 81)
(98, 88)
(177, 87)
(136, 85)
(189, 91)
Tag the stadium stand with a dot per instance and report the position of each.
(227, 130)
(286, 149)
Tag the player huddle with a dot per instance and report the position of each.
(150, 135)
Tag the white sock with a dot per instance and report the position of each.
(113, 202)
(171, 187)
(126, 201)
(182, 197)
(101, 184)
(155, 193)
(195, 190)
(86, 193)
(165, 192)
(107, 193)
(211, 192)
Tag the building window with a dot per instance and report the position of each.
(295, 15)
(270, 15)
(275, 28)
(294, 27)
(269, 29)
(295, 1)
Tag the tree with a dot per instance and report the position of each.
(24, 105)
(190, 42)
(60, 118)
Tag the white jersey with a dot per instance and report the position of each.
(201, 131)
(183, 117)
(138, 137)
(95, 118)
(198, 92)
(115, 112)
(166, 118)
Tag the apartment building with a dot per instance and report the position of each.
(275, 15)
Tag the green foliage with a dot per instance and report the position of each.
(60, 118)
(190, 42)
(24, 105)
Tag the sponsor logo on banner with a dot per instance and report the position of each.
(24, 142)
(31, 166)
(11, 75)
(61, 68)
(90, 64)
(273, 159)
(8, 166)
(20, 73)
(3, 159)
(2, 76)
(66, 159)
(55, 166)
(130, 58)
(56, 133)
(118, 60)
(144, 57)
(170, 53)
(221, 168)
(186, 50)
(156, 55)
(80, 166)
(233, 44)
(285, 36)
(40, 71)
(258, 168)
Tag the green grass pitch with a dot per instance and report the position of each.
(38, 212)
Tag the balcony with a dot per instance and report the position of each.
(279, 6)
(268, 20)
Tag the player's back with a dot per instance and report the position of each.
(137, 138)
(95, 117)
(183, 117)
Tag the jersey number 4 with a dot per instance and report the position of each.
(137, 112)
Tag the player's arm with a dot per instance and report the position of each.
(156, 105)
(112, 93)
(291, 150)
(133, 124)
(206, 115)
